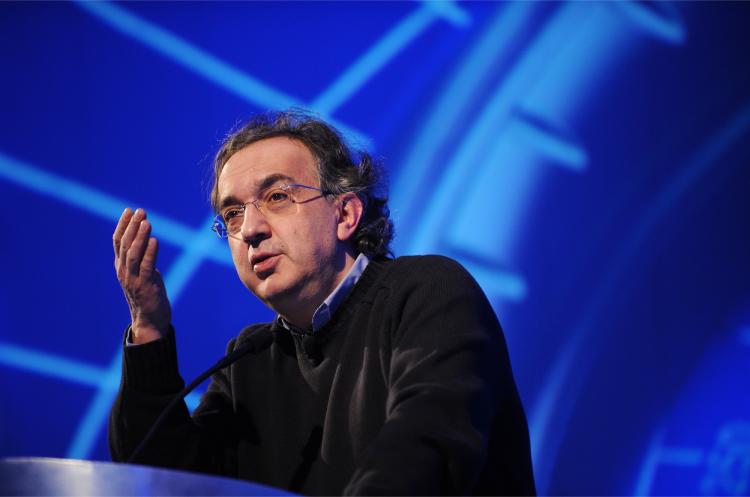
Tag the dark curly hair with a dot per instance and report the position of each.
(339, 170)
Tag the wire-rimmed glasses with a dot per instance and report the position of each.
(276, 200)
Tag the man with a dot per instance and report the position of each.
(382, 376)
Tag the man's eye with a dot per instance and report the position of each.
(277, 197)
(232, 213)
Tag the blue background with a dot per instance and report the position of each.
(588, 162)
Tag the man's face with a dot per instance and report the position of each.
(290, 260)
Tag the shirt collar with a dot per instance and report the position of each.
(323, 313)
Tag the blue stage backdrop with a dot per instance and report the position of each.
(588, 162)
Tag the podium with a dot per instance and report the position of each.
(48, 476)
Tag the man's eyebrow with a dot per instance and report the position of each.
(262, 185)
(272, 179)
(227, 201)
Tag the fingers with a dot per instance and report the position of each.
(149, 258)
(131, 242)
(130, 231)
(127, 214)
(138, 247)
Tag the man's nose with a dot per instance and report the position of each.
(255, 227)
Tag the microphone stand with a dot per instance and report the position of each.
(254, 343)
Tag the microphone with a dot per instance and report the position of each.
(253, 343)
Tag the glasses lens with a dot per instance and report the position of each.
(232, 219)
(277, 200)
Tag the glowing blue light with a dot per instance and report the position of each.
(102, 204)
(505, 170)
(680, 456)
(106, 381)
(571, 57)
(657, 18)
(68, 191)
(493, 47)
(91, 424)
(493, 120)
(558, 149)
(549, 406)
(192, 400)
(376, 57)
(649, 465)
(187, 263)
(498, 283)
(188, 55)
(450, 11)
(50, 365)
(198, 60)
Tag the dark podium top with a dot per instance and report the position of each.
(47, 476)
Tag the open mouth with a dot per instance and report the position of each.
(263, 264)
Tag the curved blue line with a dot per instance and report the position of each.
(373, 60)
(560, 150)
(196, 251)
(450, 11)
(200, 61)
(494, 45)
(102, 204)
(650, 464)
(550, 407)
(47, 364)
(96, 414)
(666, 25)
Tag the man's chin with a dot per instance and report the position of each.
(270, 290)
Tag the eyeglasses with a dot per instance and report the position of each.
(274, 201)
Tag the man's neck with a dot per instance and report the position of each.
(300, 313)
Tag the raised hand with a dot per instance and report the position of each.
(135, 264)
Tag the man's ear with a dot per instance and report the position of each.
(351, 211)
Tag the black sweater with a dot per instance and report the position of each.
(407, 390)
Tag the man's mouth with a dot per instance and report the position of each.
(263, 264)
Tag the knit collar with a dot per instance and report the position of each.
(323, 313)
(359, 294)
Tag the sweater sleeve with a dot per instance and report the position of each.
(449, 375)
(150, 380)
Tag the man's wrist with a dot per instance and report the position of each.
(140, 334)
